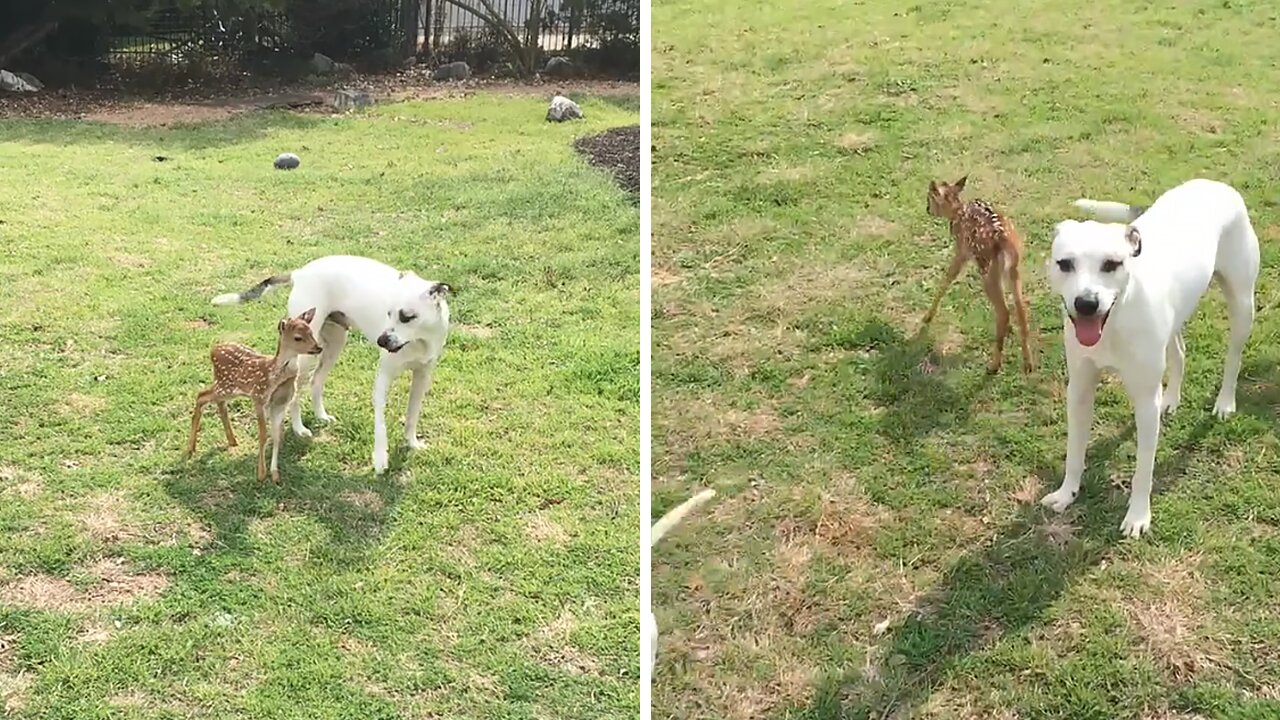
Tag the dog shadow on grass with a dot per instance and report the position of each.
(222, 489)
(1003, 588)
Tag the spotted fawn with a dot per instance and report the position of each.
(991, 241)
(268, 380)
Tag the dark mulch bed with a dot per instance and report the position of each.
(617, 150)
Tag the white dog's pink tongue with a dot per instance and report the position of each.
(1088, 329)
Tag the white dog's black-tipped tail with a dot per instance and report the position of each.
(254, 292)
(1108, 211)
(673, 517)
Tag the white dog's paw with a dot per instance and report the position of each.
(1136, 522)
(301, 431)
(1225, 407)
(325, 417)
(380, 460)
(415, 444)
(1059, 499)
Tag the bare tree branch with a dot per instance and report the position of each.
(24, 38)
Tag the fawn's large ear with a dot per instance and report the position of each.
(280, 327)
(1135, 241)
(308, 316)
(959, 184)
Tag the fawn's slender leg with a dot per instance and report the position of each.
(957, 262)
(201, 399)
(260, 411)
(277, 434)
(1020, 307)
(995, 293)
(226, 423)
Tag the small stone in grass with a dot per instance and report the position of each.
(288, 161)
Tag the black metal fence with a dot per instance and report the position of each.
(603, 33)
(606, 31)
(173, 33)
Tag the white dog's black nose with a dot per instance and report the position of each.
(1086, 305)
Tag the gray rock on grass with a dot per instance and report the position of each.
(562, 108)
(323, 64)
(559, 66)
(13, 82)
(459, 70)
(351, 99)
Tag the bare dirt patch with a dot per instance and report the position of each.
(82, 405)
(662, 277)
(116, 584)
(95, 633)
(111, 583)
(707, 422)
(366, 500)
(857, 142)
(159, 115)
(1170, 619)
(20, 482)
(542, 529)
(550, 644)
(103, 518)
(14, 691)
(618, 151)
(41, 592)
(480, 331)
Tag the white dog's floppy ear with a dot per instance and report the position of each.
(439, 290)
(1134, 239)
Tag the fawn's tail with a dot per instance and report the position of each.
(1108, 211)
(254, 292)
(673, 516)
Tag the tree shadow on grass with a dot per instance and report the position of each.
(1003, 588)
(1259, 390)
(242, 128)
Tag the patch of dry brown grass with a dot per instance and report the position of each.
(23, 483)
(103, 518)
(542, 529)
(110, 583)
(1170, 620)
(550, 645)
(15, 691)
(366, 500)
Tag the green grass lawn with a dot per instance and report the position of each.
(876, 549)
(492, 575)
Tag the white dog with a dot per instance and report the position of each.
(1127, 291)
(406, 316)
(660, 528)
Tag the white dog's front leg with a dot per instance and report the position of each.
(305, 368)
(1146, 397)
(418, 390)
(1082, 386)
(381, 386)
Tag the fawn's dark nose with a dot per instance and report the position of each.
(1086, 305)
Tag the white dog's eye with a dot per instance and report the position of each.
(1066, 265)
(1110, 266)
(406, 317)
